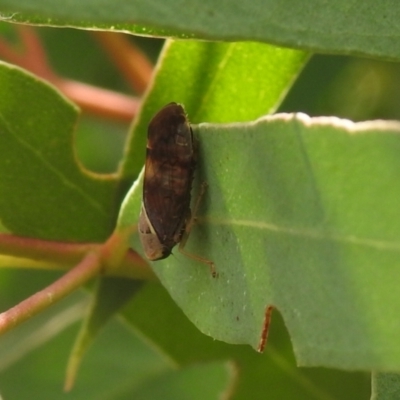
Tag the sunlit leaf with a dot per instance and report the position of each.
(362, 27)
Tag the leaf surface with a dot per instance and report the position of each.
(301, 213)
(216, 82)
(359, 27)
(45, 193)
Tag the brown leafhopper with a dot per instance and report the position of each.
(165, 219)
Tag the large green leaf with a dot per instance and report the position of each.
(117, 365)
(273, 373)
(302, 214)
(362, 27)
(45, 193)
(217, 82)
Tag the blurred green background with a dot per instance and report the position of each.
(33, 357)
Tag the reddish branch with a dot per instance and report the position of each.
(128, 264)
(88, 259)
(97, 101)
(85, 270)
(130, 60)
(113, 257)
(132, 63)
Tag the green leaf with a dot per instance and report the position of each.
(301, 213)
(385, 386)
(117, 364)
(362, 27)
(216, 82)
(273, 372)
(198, 382)
(110, 295)
(203, 76)
(45, 193)
(36, 353)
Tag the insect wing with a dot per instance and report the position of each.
(169, 169)
(152, 246)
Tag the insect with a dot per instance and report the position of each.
(165, 218)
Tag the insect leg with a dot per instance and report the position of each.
(188, 229)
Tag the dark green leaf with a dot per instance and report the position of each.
(110, 295)
(362, 27)
(44, 192)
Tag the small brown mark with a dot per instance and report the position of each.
(265, 329)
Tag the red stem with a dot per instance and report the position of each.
(130, 60)
(105, 103)
(131, 265)
(88, 268)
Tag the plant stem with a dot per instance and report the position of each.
(88, 268)
(64, 255)
(130, 60)
(94, 100)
